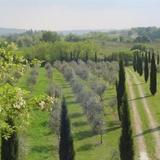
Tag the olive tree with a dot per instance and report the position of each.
(99, 88)
(49, 70)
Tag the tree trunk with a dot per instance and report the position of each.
(9, 147)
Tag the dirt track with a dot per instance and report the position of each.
(152, 123)
(137, 121)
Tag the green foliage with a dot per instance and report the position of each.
(135, 62)
(61, 50)
(139, 47)
(49, 36)
(13, 106)
(142, 39)
(158, 59)
(73, 38)
(153, 76)
(120, 87)
(146, 68)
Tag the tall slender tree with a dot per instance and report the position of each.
(86, 57)
(95, 57)
(66, 148)
(140, 66)
(146, 69)
(149, 56)
(157, 59)
(126, 140)
(153, 76)
(120, 86)
(134, 63)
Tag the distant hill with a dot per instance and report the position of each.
(8, 31)
(81, 32)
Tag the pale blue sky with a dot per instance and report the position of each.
(79, 14)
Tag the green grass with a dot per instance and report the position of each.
(41, 144)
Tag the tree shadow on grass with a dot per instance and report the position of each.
(148, 131)
(85, 147)
(83, 134)
(71, 102)
(108, 98)
(137, 98)
(76, 115)
(113, 123)
(112, 128)
(69, 96)
(43, 149)
(79, 123)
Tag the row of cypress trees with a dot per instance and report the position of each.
(126, 140)
(144, 64)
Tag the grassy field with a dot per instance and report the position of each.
(41, 143)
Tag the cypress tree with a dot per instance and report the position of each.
(134, 63)
(95, 57)
(137, 63)
(146, 69)
(153, 76)
(158, 59)
(140, 66)
(126, 141)
(149, 57)
(120, 87)
(86, 57)
(66, 148)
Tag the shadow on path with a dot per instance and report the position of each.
(148, 131)
(137, 98)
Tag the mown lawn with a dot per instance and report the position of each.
(41, 144)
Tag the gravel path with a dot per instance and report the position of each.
(136, 121)
(152, 122)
